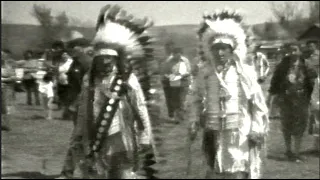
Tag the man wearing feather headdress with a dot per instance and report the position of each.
(113, 121)
(227, 97)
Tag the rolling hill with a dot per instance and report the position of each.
(19, 37)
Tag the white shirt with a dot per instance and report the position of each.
(182, 68)
(46, 88)
(65, 66)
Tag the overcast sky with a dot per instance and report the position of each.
(162, 12)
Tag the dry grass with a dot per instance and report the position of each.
(34, 142)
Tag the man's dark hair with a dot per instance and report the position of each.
(177, 50)
(7, 51)
(25, 54)
(257, 47)
(57, 44)
(312, 42)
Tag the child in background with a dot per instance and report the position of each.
(46, 90)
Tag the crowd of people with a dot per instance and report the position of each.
(97, 85)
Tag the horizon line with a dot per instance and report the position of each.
(8, 23)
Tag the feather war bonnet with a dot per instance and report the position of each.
(222, 27)
(117, 31)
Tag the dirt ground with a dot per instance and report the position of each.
(35, 148)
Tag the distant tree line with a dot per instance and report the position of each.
(55, 26)
(290, 17)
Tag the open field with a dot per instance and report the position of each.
(35, 148)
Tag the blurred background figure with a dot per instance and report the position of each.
(260, 63)
(176, 81)
(47, 94)
(55, 55)
(7, 87)
(314, 126)
(29, 78)
(292, 86)
(77, 63)
(74, 63)
(313, 61)
(285, 51)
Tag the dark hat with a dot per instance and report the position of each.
(57, 44)
(82, 42)
(74, 39)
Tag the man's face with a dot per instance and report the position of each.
(103, 65)
(221, 53)
(176, 55)
(75, 51)
(312, 46)
(29, 56)
(295, 50)
(294, 59)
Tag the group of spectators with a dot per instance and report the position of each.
(44, 77)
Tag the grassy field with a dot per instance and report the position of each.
(35, 148)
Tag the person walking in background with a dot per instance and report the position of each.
(314, 124)
(260, 63)
(286, 51)
(73, 71)
(29, 79)
(75, 63)
(46, 90)
(7, 86)
(292, 85)
(313, 60)
(176, 81)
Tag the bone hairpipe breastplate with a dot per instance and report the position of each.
(232, 106)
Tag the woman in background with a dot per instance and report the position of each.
(7, 87)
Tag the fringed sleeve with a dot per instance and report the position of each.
(259, 109)
(139, 104)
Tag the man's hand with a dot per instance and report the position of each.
(66, 56)
(144, 148)
(256, 139)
